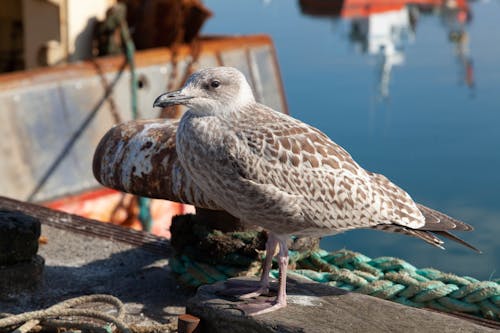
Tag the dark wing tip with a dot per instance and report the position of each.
(437, 221)
(426, 236)
(457, 239)
(440, 223)
(429, 236)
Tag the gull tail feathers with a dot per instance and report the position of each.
(440, 224)
(436, 224)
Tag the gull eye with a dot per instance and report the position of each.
(215, 84)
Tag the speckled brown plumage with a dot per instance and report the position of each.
(275, 171)
(272, 170)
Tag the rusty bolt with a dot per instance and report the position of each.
(188, 324)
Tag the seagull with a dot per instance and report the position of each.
(274, 171)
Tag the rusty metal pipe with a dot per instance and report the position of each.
(139, 157)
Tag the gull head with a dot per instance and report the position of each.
(211, 91)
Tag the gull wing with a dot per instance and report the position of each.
(301, 160)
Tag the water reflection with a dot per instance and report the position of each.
(383, 28)
(455, 17)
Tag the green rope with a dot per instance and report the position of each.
(145, 213)
(385, 277)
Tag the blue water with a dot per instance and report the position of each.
(433, 127)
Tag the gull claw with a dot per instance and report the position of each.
(256, 308)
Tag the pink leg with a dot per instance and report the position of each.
(271, 244)
(283, 267)
(256, 308)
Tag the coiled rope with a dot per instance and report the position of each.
(78, 313)
(385, 277)
(50, 317)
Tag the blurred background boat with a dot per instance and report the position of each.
(72, 81)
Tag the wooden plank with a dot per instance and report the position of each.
(80, 225)
(318, 308)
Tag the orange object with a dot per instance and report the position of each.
(115, 207)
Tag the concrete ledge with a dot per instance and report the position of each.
(314, 307)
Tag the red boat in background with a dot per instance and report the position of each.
(382, 28)
(363, 8)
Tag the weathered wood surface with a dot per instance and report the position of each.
(314, 308)
(80, 225)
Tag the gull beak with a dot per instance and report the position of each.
(171, 98)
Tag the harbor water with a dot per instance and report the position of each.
(411, 91)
